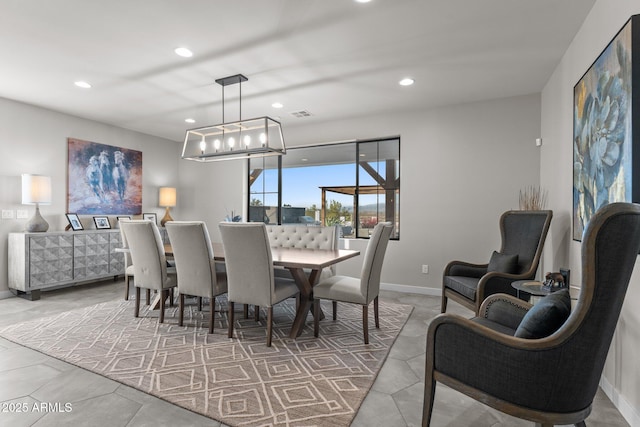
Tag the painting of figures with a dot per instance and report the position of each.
(103, 179)
(602, 130)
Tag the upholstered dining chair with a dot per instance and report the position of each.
(551, 379)
(128, 264)
(354, 290)
(250, 274)
(523, 234)
(149, 261)
(195, 265)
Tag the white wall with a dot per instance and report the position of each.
(461, 167)
(621, 379)
(34, 140)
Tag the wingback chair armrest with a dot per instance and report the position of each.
(466, 269)
(495, 282)
(504, 309)
(507, 368)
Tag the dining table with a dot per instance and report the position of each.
(305, 266)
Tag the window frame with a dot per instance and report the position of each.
(357, 162)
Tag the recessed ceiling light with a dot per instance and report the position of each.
(190, 120)
(277, 105)
(363, 1)
(184, 52)
(305, 160)
(83, 84)
(407, 81)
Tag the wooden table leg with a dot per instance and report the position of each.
(305, 285)
(155, 304)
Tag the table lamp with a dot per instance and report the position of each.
(36, 189)
(167, 199)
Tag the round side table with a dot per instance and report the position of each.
(536, 290)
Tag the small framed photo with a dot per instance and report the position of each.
(102, 222)
(150, 217)
(74, 222)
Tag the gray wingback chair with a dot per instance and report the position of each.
(149, 261)
(523, 234)
(360, 290)
(250, 274)
(195, 265)
(550, 380)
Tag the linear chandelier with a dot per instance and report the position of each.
(243, 139)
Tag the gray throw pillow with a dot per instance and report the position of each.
(546, 317)
(503, 263)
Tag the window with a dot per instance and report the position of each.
(354, 185)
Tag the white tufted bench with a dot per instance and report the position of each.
(303, 236)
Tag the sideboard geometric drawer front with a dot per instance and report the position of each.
(50, 260)
(54, 259)
(90, 255)
(116, 260)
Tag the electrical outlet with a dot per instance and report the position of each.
(425, 269)
(22, 214)
(7, 214)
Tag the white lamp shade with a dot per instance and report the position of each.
(36, 189)
(167, 197)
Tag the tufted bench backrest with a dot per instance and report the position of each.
(302, 236)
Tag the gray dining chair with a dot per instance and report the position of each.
(250, 274)
(149, 261)
(195, 265)
(354, 290)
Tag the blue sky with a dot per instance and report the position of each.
(300, 186)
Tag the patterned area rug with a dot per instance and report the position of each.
(240, 381)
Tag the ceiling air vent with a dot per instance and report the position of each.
(301, 114)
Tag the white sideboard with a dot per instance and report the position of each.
(40, 261)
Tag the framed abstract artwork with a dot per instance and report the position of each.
(103, 179)
(606, 128)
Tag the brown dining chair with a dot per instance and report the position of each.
(250, 274)
(354, 290)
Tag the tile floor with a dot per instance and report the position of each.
(28, 377)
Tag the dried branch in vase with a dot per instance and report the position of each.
(533, 199)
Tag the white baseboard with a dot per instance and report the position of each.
(631, 414)
(411, 289)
